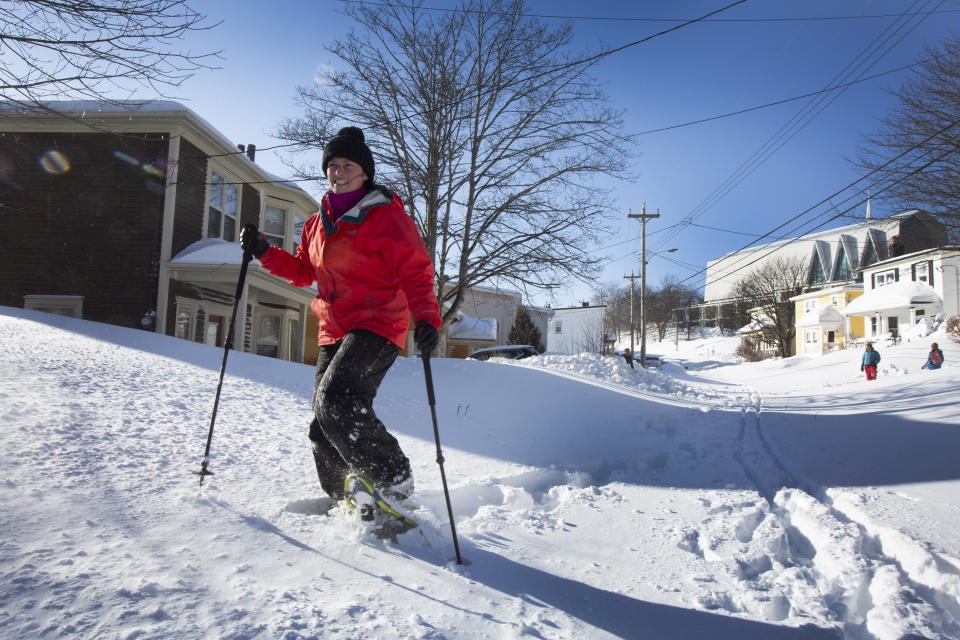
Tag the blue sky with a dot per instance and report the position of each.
(742, 58)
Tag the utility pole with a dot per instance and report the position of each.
(643, 217)
(633, 325)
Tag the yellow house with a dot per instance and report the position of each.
(821, 325)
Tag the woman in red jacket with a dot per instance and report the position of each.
(372, 271)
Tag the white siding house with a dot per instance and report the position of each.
(576, 330)
(902, 292)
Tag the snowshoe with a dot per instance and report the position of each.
(376, 513)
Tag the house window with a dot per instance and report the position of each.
(186, 319)
(893, 326)
(835, 300)
(275, 225)
(831, 337)
(222, 209)
(812, 336)
(809, 305)
(268, 335)
(873, 326)
(297, 228)
(70, 306)
(884, 278)
(558, 327)
(921, 272)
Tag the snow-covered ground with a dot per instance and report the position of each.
(775, 500)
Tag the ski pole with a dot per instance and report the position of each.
(247, 257)
(428, 375)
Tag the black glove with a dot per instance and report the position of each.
(861, 367)
(253, 241)
(426, 337)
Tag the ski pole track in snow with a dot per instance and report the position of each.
(798, 550)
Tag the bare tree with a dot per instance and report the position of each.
(616, 298)
(488, 129)
(94, 49)
(926, 125)
(669, 296)
(766, 291)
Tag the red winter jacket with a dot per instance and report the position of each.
(371, 268)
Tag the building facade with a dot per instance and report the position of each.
(131, 214)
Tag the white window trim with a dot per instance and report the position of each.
(55, 304)
(228, 178)
(881, 278)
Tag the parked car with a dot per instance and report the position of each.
(511, 351)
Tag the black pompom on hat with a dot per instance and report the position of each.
(349, 143)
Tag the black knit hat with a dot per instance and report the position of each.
(349, 144)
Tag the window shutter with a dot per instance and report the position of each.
(930, 272)
(896, 275)
(913, 272)
(873, 281)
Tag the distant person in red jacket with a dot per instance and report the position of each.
(372, 271)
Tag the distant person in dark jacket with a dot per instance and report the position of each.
(628, 356)
(871, 358)
(935, 357)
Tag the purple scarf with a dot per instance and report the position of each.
(340, 203)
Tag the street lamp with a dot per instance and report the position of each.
(643, 301)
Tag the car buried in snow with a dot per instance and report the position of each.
(510, 351)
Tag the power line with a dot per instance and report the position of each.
(799, 121)
(742, 233)
(629, 19)
(581, 62)
(800, 97)
(729, 271)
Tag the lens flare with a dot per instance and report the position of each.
(120, 155)
(54, 162)
(153, 171)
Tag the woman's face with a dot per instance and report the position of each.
(344, 175)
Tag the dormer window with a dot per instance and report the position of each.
(843, 271)
(222, 209)
(817, 276)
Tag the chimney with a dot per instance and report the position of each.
(252, 152)
(869, 213)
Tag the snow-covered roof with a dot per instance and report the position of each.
(469, 328)
(828, 315)
(896, 295)
(844, 288)
(213, 251)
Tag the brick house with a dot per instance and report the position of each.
(130, 215)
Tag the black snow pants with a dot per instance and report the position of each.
(346, 434)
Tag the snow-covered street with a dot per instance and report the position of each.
(782, 499)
